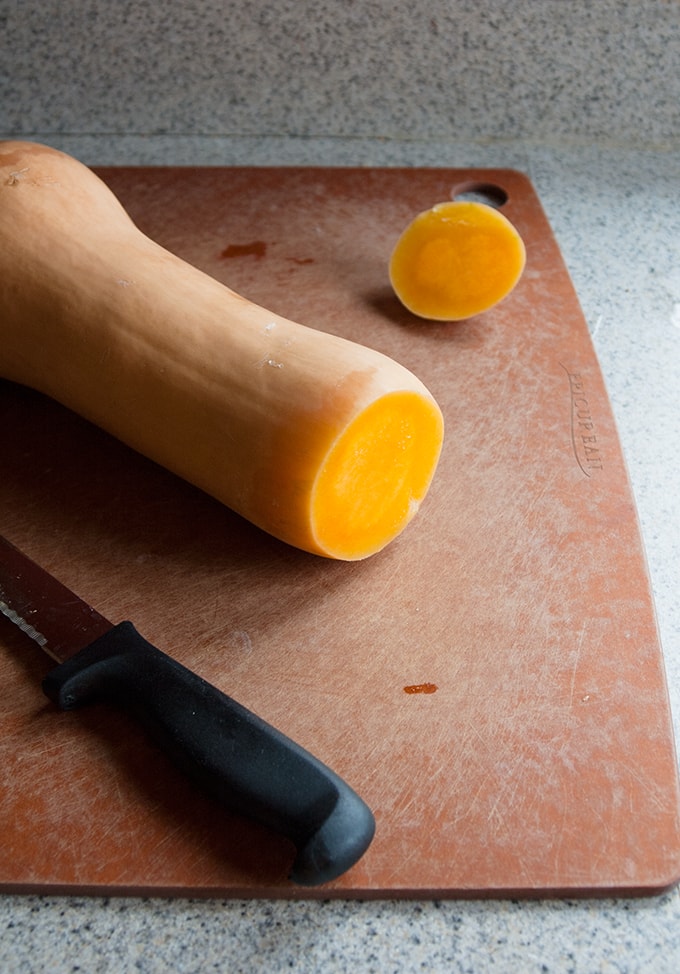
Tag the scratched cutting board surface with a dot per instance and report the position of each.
(540, 760)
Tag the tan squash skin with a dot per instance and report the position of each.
(239, 401)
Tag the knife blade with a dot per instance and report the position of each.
(241, 760)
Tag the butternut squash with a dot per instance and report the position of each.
(456, 260)
(326, 444)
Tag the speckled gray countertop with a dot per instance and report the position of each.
(584, 98)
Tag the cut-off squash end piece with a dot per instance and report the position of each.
(456, 260)
(375, 475)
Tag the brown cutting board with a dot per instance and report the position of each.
(540, 761)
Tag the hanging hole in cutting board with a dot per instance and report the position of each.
(476, 192)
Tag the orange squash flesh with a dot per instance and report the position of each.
(456, 260)
(326, 444)
(383, 453)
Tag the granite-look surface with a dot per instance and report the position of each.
(122, 936)
(616, 217)
(445, 69)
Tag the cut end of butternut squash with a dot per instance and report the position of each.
(375, 475)
(456, 260)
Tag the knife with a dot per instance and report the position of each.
(242, 761)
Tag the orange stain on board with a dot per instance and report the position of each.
(257, 248)
(421, 688)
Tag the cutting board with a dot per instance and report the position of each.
(492, 683)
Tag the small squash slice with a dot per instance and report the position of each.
(326, 444)
(456, 260)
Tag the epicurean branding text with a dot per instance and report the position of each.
(583, 436)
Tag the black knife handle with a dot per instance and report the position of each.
(242, 761)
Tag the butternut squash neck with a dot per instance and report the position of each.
(326, 444)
